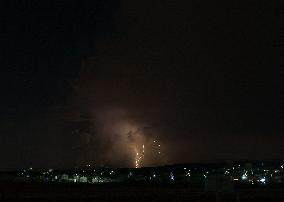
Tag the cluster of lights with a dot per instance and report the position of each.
(262, 176)
(158, 145)
(262, 180)
(172, 177)
(139, 157)
(140, 153)
(245, 176)
(187, 173)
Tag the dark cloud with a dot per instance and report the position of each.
(201, 77)
(191, 70)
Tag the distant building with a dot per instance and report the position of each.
(83, 179)
(64, 178)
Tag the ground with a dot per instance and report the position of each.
(69, 192)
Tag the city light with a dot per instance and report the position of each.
(262, 180)
(256, 176)
(172, 177)
(244, 176)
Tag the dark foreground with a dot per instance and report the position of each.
(67, 192)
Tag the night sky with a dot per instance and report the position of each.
(87, 81)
